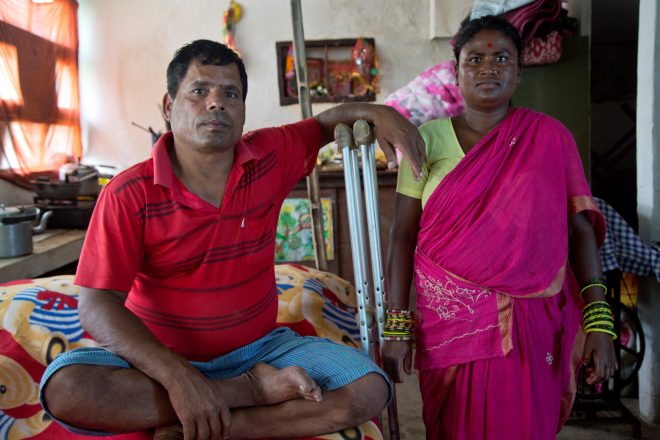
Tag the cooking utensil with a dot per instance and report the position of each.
(15, 214)
(55, 189)
(89, 183)
(17, 227)
(87, 175)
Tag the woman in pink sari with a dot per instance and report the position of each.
(501, 238)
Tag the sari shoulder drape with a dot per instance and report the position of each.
(496, 228)
(500, 217)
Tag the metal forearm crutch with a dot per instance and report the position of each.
(363, 134)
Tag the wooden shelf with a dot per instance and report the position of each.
(53, 249)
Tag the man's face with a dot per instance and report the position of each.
(207, 114)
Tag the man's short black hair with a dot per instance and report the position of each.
(204, 52)
(469, 28)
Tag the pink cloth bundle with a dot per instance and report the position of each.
(431, 95)
(527, 19)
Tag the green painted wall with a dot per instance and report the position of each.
(561, 90)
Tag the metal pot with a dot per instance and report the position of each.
(17, 224)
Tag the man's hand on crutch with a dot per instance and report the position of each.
(391, 128)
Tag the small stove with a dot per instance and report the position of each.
(72, 213)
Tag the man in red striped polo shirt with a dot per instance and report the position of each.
(177, 278)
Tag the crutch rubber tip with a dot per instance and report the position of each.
(343, 136)
(363, 132)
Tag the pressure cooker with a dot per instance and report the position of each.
(17, 225)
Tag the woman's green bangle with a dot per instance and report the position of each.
(598, 311)
(606, 324)
(595, 304)
(597, 316)
(599, 330)
(588, 286)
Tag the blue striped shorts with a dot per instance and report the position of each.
(331, 365)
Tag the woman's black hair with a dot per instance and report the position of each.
(204, 52)
(469, 28)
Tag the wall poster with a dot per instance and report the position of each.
(294, 241)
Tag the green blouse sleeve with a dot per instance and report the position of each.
(406, 183)
(443, 152)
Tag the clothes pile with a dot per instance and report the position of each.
(543, 25)
(432, 94)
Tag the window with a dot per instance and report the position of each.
(39, 101)
(9, 75)
(65, 85)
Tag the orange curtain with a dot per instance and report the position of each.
(39, 100)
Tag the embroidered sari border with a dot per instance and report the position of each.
(553, 288)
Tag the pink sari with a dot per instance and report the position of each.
(497, 303)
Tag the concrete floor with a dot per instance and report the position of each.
(409, 406)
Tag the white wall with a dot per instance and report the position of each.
(648, 197)
(125, 46)
(580, 9)
(648, 112)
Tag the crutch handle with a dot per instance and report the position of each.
(363, 133)
(344, 136)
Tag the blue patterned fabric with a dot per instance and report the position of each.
(6, 423)
(53, 313)
(330, 364)
(343, 319)
(623, 249)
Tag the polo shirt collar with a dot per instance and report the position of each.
(246, 152)
(163, 172)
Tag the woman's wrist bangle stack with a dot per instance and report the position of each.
(399, 325)
(594, 282)
(597, 317)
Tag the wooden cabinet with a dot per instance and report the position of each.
(332, 185)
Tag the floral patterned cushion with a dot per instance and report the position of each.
(39, 320)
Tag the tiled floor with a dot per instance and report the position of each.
(412, 428)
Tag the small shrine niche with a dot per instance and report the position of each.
(337, 70)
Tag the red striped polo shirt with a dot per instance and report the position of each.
(200, 278)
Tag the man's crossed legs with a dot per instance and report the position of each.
(280, 386)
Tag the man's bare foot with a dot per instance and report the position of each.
(172, 432)
(271, 385)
